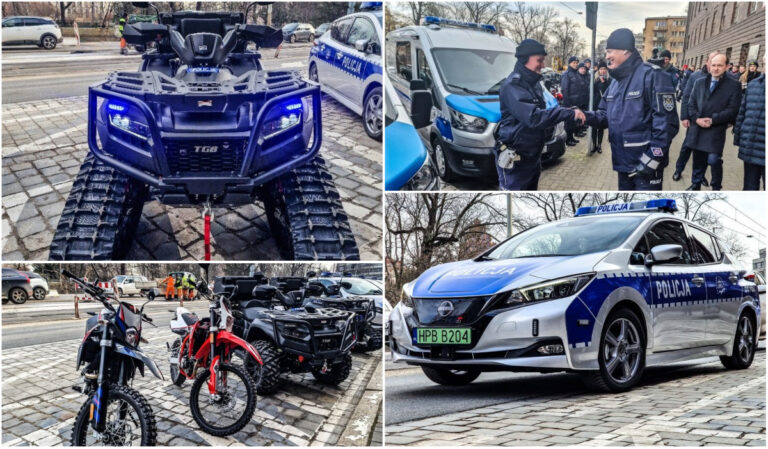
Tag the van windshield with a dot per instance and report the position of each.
(473, 72)
(568, 238)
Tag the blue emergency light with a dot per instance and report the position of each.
(432, 20)
(658, 205)
(371, 6)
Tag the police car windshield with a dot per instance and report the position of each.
(568, 238)
(361, 287)
(487, 68)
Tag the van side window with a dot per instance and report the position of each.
(706, 249)
(422, 66)
(671, 233)
(403, 60)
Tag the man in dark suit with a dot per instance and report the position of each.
(713, 106)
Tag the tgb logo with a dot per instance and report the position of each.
(206, 148)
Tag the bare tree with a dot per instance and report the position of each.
(63, 9)
(531, 21)
(565, 39)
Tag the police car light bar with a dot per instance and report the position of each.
(432, 20)
(371, 6)
(659, 205)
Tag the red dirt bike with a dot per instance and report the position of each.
(223, 396)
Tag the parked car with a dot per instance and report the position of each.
(39, 285)
(294, 32)
(40, 31)
(759, 280)
(319, 31)
(133, 285)
(16, 286)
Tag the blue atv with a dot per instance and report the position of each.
(201, 123)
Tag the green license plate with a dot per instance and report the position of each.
(443, 336)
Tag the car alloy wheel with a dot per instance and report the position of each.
(39, 293)
(373, 114)
(621, 350)
(49, 42)
(746, 339)
(313, 73)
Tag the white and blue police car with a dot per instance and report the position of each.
(605, 294)
(346, 61)
(463, 64)
(406, 161)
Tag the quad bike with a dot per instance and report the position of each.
(223, 395)
(115, 414)
(289, 338)
(201, 123)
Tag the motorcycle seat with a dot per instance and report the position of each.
(189, 318)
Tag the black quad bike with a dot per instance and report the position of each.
(114, 413)
(289, 338)
(201, 123)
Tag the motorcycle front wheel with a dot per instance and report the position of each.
(231, 408)
(129, 421)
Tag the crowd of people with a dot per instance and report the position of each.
(636, 101)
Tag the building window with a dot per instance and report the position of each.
(733, 12)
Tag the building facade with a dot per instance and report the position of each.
(734, 28)
(667, 33)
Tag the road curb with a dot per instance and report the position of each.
(359, 429)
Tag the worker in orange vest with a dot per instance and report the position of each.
(170, 287)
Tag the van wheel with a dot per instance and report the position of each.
(621, 354)
(451, 377)
(441, 162)
(743, 345)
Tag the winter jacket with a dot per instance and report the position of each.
(722, 106)
(749, 129)
(572, 86)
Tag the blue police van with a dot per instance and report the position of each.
(463, 64)
(346, 61)
(605, 294)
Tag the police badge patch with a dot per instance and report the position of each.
(668, 101)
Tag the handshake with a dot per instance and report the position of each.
(578, 115)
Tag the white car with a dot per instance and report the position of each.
(39, 285)
(40, 31)
(759, 280)
(346, 61)
(615, 289)
(132, 285)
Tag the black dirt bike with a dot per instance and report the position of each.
(114, 414)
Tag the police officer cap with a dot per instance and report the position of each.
(573, 58)
(581, 64)
(665, 54)
(753, 62)
(530, 47)
(621, 39)
(587, 61)
(601, 64)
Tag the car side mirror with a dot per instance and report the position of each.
(360, 45)
(421, 104)
(663, 254)
(346, 285)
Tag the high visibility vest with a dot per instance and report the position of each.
(121, 25)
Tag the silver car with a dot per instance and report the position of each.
(605, 294)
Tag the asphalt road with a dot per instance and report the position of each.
(21, 329)
(34, 74)
(411, 396)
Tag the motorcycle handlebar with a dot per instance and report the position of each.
(91, 289)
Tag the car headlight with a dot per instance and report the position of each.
(123, 118)
(408, 295)
(281, 118)
(132, 336)
(555, 289)
(466, 122)
(424, 178)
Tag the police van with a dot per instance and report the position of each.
(604, 294)
(346, 61)
(463, 64)
(406, 161)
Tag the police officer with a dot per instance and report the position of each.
(570, 87)
(526, 123)
(640, 113)
(669, 68)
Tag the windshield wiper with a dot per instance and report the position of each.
(496, 87)
(469, 91)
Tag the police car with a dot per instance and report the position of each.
(605, 294)
(346, 61)
(406, 163)
(463, 64)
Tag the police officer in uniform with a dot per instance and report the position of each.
(570, 86)
(526, 123)
(640, 113)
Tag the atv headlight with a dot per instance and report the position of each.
(556, 289)
(123, 118)
(408, 295)
(341, 325)
(281, 118)
(424, 179)
(466, 122)
(295, 330)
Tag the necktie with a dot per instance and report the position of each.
(712, 85)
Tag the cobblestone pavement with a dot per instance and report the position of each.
(39, 405)
(700, 405)
(575, 171)
(44, 143)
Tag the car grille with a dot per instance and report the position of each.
(464, 310)
(209, 157)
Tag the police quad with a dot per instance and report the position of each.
(649, 286)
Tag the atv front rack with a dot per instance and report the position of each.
(167, 159)
(319, 335)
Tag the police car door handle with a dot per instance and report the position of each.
(698, 280)
(733, 278)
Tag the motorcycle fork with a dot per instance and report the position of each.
(99, 399)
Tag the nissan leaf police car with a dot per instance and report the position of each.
(463, 64)
(346, 61)
(605, 294)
